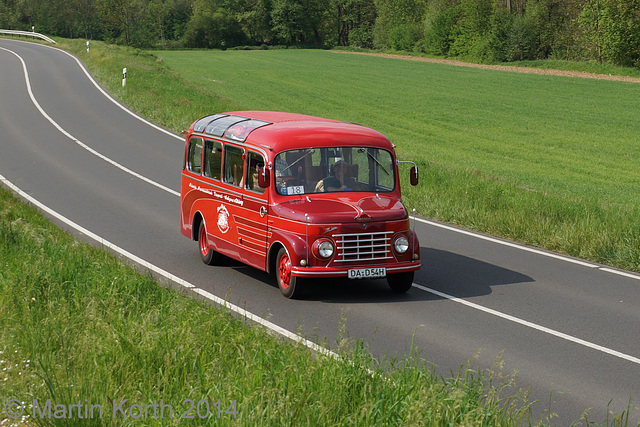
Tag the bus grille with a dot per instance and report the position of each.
(363, 246)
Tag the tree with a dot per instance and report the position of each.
(212, 26)
(399, 23)
(473, 29)
(439, 31)
(621, 32)
(159, 10)
(119, 17)
(296, 21)
(612, 30)
(86, 14)
(255, 20)
(353, 21)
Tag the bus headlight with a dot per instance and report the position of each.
(323, 248)
(401, 245)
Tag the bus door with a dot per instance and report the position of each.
(251, 221)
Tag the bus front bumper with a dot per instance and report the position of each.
(361, 271)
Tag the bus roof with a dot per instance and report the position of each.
(280, 131)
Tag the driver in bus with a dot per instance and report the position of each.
(336, 181)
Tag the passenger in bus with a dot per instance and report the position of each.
(237, 175)
(254, 178)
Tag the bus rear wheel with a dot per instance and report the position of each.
(207, 255)
(400, 282)
(289, 285)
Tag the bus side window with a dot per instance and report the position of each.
(194, 159)
(254, 162)
(233, 165)
(212, 159)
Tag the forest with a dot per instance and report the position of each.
(487, 31)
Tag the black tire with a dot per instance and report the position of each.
(400, 282)
(290, 286)
(207, 255)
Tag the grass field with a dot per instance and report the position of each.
(550, 161)
(567, 136)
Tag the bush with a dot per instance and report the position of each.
(404, 36)
(361, 37)
(522, 43)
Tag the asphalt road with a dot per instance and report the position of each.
(568, 327)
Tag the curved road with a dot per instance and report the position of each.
(568, 327)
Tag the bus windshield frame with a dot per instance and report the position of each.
(335, 169)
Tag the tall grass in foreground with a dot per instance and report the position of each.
(79, 327)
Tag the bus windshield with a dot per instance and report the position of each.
(334, 169)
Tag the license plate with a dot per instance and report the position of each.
(367, 273)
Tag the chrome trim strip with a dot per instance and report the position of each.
(363, 259)
(236, 191)
(366, 234)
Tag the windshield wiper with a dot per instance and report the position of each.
(301, 157)
(362, 150)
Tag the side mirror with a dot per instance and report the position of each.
(414, 175)
(264, 179)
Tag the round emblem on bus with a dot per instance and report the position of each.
(223, 219)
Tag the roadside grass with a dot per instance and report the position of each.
(152, 90)
(79, 327)
(548, 161)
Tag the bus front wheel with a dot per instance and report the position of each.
(400, 282)
(289, 285)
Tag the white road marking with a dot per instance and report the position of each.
(109, 97)
(266, 323)
(531, 325)
(510, 244)
(620, 273)
(529, 249)
(76, 140)
(106, 94)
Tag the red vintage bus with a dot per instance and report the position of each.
(298, 196)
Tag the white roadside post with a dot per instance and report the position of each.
(87, 45)
(124, 77)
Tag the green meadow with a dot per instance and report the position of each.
(545, 160)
